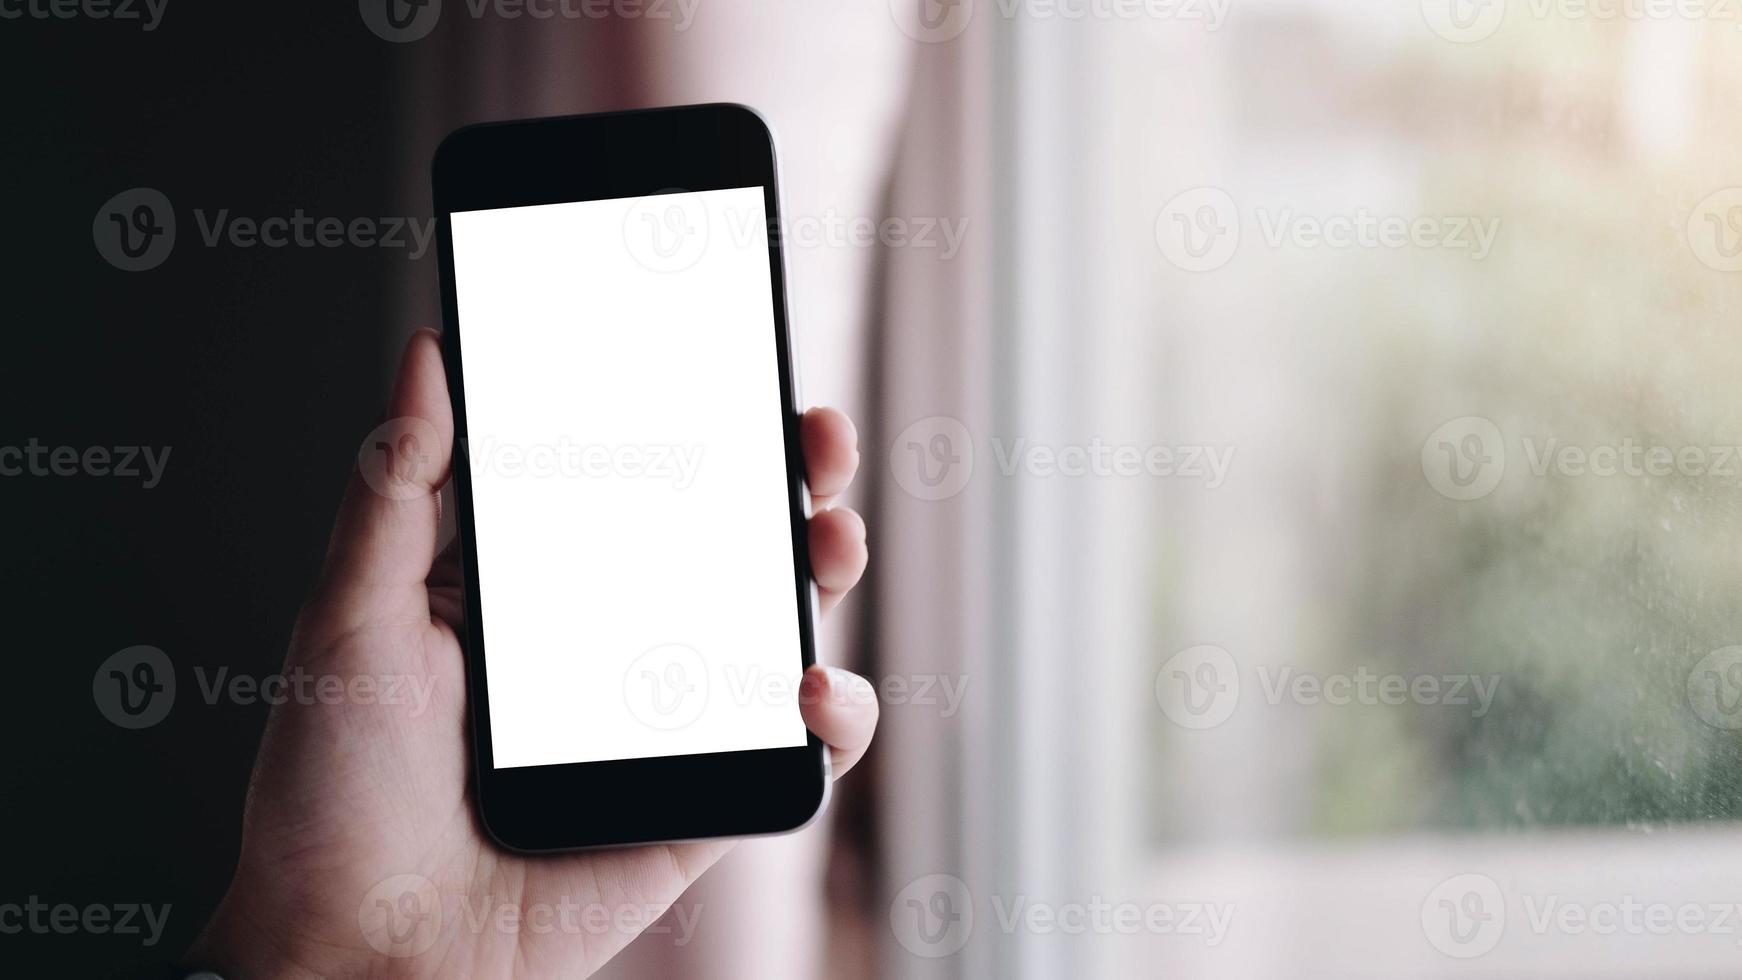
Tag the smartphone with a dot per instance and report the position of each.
(628, 482)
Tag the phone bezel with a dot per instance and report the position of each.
(630, 801)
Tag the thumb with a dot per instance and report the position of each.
(385, 537)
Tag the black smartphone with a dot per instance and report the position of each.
(628, 478)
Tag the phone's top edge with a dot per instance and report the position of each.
(761, 119)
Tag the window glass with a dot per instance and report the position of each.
(1451, 291)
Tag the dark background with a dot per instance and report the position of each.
(261, 368)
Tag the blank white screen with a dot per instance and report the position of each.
(628, 478)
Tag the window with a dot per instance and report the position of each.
(1352, 546)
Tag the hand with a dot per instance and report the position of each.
(353, 803)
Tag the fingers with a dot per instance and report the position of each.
(831, 454)
(384, 540)
(838, 553)
(841, 708)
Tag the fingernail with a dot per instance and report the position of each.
(850, 687)
(813, 687)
